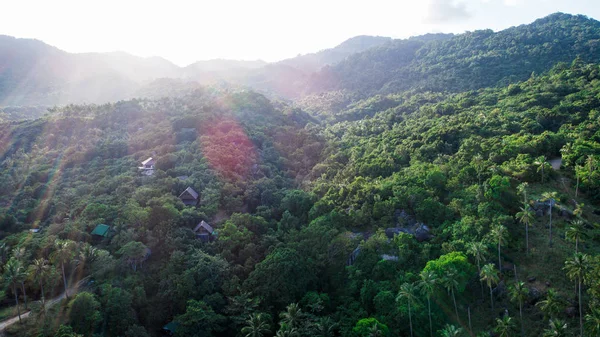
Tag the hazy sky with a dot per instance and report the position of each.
(186, 31)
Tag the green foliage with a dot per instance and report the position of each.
(84, 314)
(366, 326)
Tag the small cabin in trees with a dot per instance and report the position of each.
(204, 232)
(101, 230)
(148, 164)
(189, 197)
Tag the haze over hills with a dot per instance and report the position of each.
(34, 73)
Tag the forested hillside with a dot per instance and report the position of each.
(444, 185)
(467, 61)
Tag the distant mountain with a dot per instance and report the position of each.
(466, 61)
(315, 61)
(34, 73)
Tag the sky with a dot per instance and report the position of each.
(185, 31)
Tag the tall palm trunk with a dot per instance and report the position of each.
(410, 319)
(550, 226)
(492, 299)
(24, 293)
(577, 188)
(430, 324)
(17, 300)
(527, 237)
(43, 298)
(455, 307)
(479, 275)
(580, 310)
(576, 244)
(521, 315)
(62, 265)
(499, 259)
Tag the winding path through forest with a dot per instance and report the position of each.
(72, 290)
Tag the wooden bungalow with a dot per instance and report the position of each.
(204, 231)
(189, 197)
(148, 164)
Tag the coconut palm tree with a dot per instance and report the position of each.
(557, 328)
(287, 331)
(578, 212)
(451, 331)
(525, 216)
(450, 282)
(291, 316)
(519, 293)
(500, 234)
(578, 171)
(374, 331)
(542, 165)
(13, 273)
(592, 322)
(428, 286)
(552, 305)
(504, 326)
(256, 326)
(19, 255)
(576, 268)
(408, 292)
(326, 327)
(39, 271)
(549, 196)
(479, 251)
(576, 233)
(489, 275)
(522, 190)
(63, 253)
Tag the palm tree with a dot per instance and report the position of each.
(542, 164)
(549, 196)
(489, 274)
(479, 251)
(374, 331)
(39, 271)
(592, 322)
(63, 252)
(557, 328)
(500, 235)
(578, 170)
(576, 233)
(451, 331)
(450, 282)
(552, 305)
(287, 331)
(525, 216)
(504, 326)
(590, 162)
(519, 293)
(407, 292)
(428, 285)
(13, 273)
(576, 268)
(326, 327)
(257, 326)
(578, 212)
(522, 190)
(19, 255)
(291, 316)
